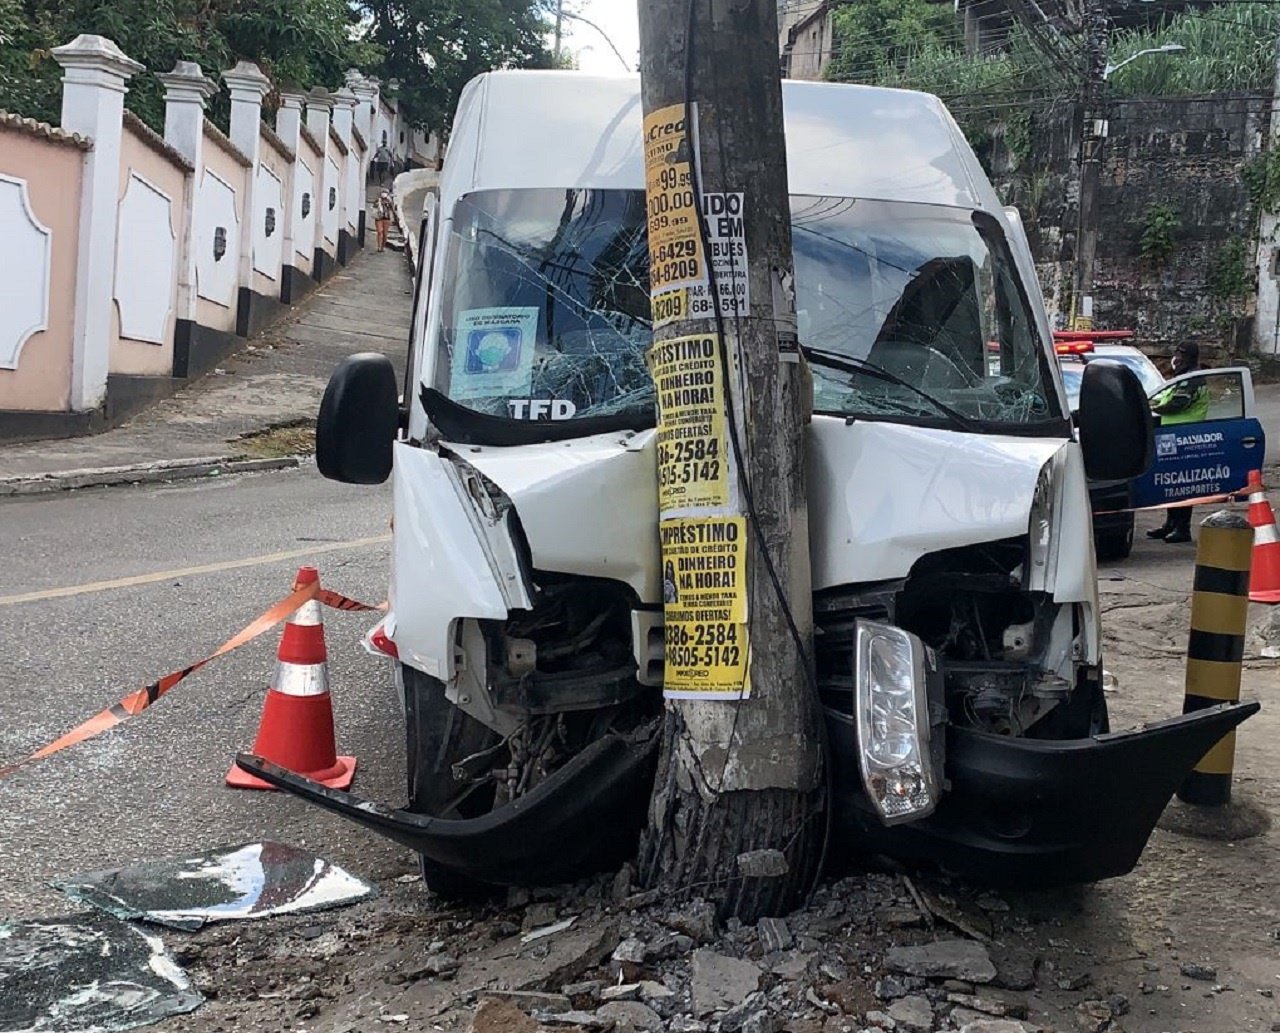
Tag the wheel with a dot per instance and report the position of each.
(438, 735)
(1115, 544)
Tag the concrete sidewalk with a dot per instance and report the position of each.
(276, 380)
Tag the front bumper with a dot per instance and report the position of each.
(1029, 813)
(584, 818)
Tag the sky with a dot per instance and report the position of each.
(618, 19)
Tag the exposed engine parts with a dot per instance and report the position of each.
(1001, 647)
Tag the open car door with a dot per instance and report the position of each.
(1211, 455)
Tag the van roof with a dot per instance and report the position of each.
(521, 129)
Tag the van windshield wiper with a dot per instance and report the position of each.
(850, 364)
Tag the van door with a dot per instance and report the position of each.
(1210, 452)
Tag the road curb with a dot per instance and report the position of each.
(139, 473)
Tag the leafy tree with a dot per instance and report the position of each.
(876, 39)
(434, 47)
(304, 42)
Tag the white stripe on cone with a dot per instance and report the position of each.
(1265, 535)
(308, 614)
(301, 679)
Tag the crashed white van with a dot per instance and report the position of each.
(949, 512)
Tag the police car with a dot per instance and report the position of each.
(1212, 455)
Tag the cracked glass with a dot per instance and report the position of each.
(545, 311)
(546, 304)
(925, 294)
(86, 974)
(254, 880)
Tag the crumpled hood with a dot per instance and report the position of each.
(881, 495)
(588, 506)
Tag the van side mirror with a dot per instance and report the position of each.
(358, 421)
(1114, 422)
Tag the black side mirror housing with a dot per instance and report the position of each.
(1114, 422)
(358, 421)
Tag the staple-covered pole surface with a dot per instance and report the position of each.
(1215, 649)
(737, 814)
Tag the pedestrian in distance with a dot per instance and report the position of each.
(382, 164)
(1181, 403)
(382, 211)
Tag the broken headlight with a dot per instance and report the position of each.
(892, 669)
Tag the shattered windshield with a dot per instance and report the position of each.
(546, 304)
(923, 293)
(545, 311)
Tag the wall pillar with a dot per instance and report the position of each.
(289, 119)
(94, 74)
(247, 86)
(289, 129)
(366, 98)
(319, 111)
(366, 91)
(186, 91)
(399, 149)
(351, 189)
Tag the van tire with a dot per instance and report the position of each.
(437, 735)
(1115, 545)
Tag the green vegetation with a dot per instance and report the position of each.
(1160, 225)
(431, 46)
(1229, 47)
(434, 47)
(915, 44)
(1231, 275)
(1261, 178)
(306, 42)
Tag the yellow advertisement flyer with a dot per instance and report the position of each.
(693, 464)
(704, 583)
(675, 244)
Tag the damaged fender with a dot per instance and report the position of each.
(453, 556)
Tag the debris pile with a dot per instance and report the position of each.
(871, 953)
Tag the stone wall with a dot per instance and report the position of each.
(1185, 153)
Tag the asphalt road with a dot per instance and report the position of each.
(153, 787)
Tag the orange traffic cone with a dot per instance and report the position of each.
(1264, 581)
(296, 730)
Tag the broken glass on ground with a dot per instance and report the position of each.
(254, 880)
(86, 974)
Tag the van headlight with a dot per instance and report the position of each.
(892, 671)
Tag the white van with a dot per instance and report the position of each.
(948, 504)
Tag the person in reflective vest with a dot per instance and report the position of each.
(1181, 403)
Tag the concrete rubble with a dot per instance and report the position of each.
(831, 968)
(850, 962)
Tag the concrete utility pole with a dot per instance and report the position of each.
(1093, 128)
(738, 811)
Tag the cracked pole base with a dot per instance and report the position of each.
(1235, 820)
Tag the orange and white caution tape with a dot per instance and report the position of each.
(1202, 500)
(136, 702)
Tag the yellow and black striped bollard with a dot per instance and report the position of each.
(1215, 650)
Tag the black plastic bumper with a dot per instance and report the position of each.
(584, 818)
(1031, 813)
